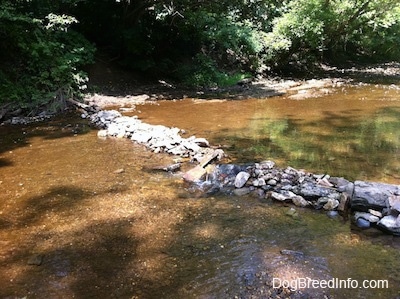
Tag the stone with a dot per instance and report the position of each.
(102, 133)
(267, 164)
(201, 142)
(242, 191)
(241, 179)
(300, 201)
(272, 182)
(35, 260)
(331, 204)
(375, 213)
(195, 174)
(292, 212)
(390, 224)
(394, 203)
(367, 216)
(332, 214)
(362, 223)
(370, 195)
(259, 182)
(311, 191)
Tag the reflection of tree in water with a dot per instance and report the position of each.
(363, 147)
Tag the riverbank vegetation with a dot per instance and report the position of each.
(45, 45)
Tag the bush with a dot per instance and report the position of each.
(43, 57)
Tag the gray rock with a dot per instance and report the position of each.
(313, 191)
(331, 204)
(259, 182)
(241, 191)
(241, 179)
(362, 223)
(390, 224)
(300, 201)
(367, 216)
(267, 164)
(332, 214)
(369, 195)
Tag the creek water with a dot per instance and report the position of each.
(83, 217)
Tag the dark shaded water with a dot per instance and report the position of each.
(104, 226)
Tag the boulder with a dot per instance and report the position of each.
(390, 224)
(370, 195)
(241, 179)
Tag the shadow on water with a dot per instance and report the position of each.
(19, 136)
(180, 247)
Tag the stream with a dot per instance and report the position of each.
(84, 217)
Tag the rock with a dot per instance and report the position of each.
(201, 142)
(331, 204)
(35, 260)
(332, 214)
(281, 196)
(259, 182)
(394, 203)
(300, 201)
(313, 191)
(267, 164)
(367, 216)
(375, 213)
(390, 224)
(241, 179)
(102, 133)
(272, 182)
(195, 174)
(369, 195)
(362, 223)
(241, 191)
(292, 252)
(292, 212)
(118, 171)
(344, 203)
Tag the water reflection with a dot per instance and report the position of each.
(352, 133)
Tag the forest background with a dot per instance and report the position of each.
(45, 45)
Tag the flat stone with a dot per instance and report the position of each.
(370, 195)
(195, 174)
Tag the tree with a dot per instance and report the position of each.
(41, 55)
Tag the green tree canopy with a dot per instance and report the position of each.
(44, 44)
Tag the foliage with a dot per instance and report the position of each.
(41, 56)
(316, 30)
(203, 43)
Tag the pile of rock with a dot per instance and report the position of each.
(377, 204)
(372, 204)
(290, 185)
(156, 137)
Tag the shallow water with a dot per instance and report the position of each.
(104, 226)
(353, 132)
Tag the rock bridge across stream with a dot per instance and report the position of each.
(371, 204)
